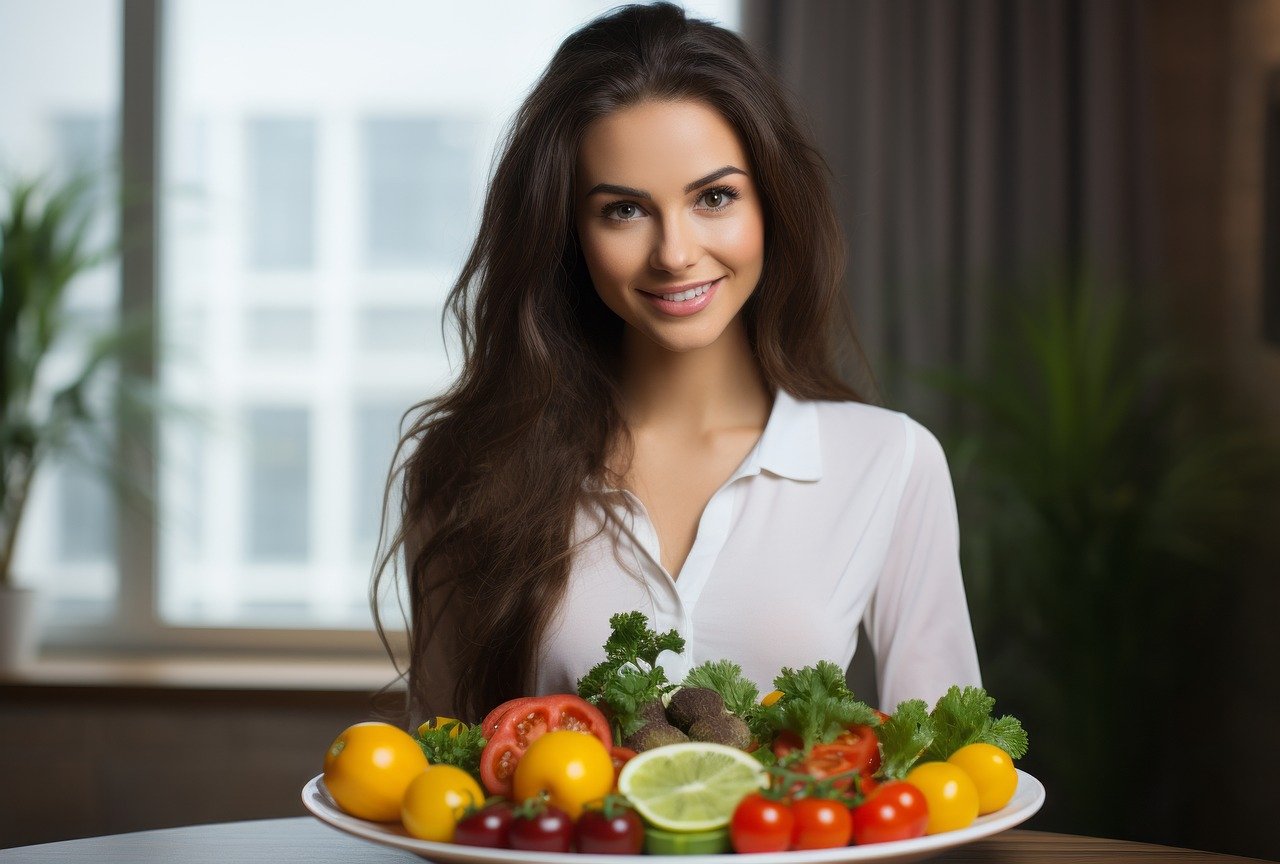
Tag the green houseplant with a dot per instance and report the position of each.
(46, 231)
(1106, 507)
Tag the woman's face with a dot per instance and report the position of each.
(665, 200)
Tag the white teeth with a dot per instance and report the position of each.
(687, 295)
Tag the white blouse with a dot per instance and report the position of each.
(842, 513)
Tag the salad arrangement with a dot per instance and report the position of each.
(635, 763)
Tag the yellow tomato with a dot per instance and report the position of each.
(368, 767)
(991, 770)
(440, 721)
(571, 767)
(950, 794)
(770, 698)
(435, 801)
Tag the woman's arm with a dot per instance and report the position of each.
(918, 618)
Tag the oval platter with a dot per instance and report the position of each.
(1026, 801)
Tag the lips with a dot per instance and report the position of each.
(676, 289)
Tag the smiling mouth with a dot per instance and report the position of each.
(687, 294)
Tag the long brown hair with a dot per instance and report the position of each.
(501, 462)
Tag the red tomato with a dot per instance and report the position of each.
(620, 756)
(546, 829)
(610, 830)
(864, 740)
(527, 721)
(785, 742)
(490, 722)
(488, 827)
(827, 760)
(884, 718)
(820, 823)
(761, 824)
(895, 811)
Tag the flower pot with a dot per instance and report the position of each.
(19, 630)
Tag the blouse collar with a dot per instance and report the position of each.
(790, 446)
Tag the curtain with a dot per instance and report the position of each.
(976, 146)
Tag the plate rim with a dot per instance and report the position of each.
(318, 802)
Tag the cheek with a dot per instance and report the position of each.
(612, 256)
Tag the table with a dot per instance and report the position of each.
(303, 839)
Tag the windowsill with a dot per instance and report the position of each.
(204, 673)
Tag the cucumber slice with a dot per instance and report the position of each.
(659, 842)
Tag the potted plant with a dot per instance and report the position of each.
(45, 244)
(1106, 507)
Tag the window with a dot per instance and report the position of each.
(61, 62)
(280, 198)
(320, 170)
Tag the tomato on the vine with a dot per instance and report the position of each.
(896, 810)
(761, 824)
(820, 823)
(541, 827)
(527, 720)
(490, 826)
(610, 828)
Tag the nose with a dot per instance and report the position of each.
(677, 248)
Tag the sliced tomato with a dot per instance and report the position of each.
(828, 760)
(527, 721)
(490, 722)
(864, 740)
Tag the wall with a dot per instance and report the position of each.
(82, 761)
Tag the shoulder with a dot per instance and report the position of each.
(858, 435)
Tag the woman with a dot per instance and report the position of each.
(649, 414)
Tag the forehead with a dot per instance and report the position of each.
(659, 146)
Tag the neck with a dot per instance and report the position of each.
(694, 392)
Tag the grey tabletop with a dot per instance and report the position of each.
(285, 841)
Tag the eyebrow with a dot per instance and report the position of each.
(615, 189)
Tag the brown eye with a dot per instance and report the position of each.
(720, 197)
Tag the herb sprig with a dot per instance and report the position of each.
(816, 704)
(453, 743)
(961, 717)
(629, 677)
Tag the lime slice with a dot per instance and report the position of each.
(690, 787)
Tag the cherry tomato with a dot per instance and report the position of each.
(369, 766)
(820, 823)
(436, 801)
(541, 828)
(489, 827)
(525, 722)
(894, 811)
(611, 828)
(991, 770)
(761, 824)
(950, 794)
(572, 768)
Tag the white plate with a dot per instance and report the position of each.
(1026, 801)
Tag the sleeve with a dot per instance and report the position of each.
(918, 618)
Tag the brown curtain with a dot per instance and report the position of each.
(975, 144)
